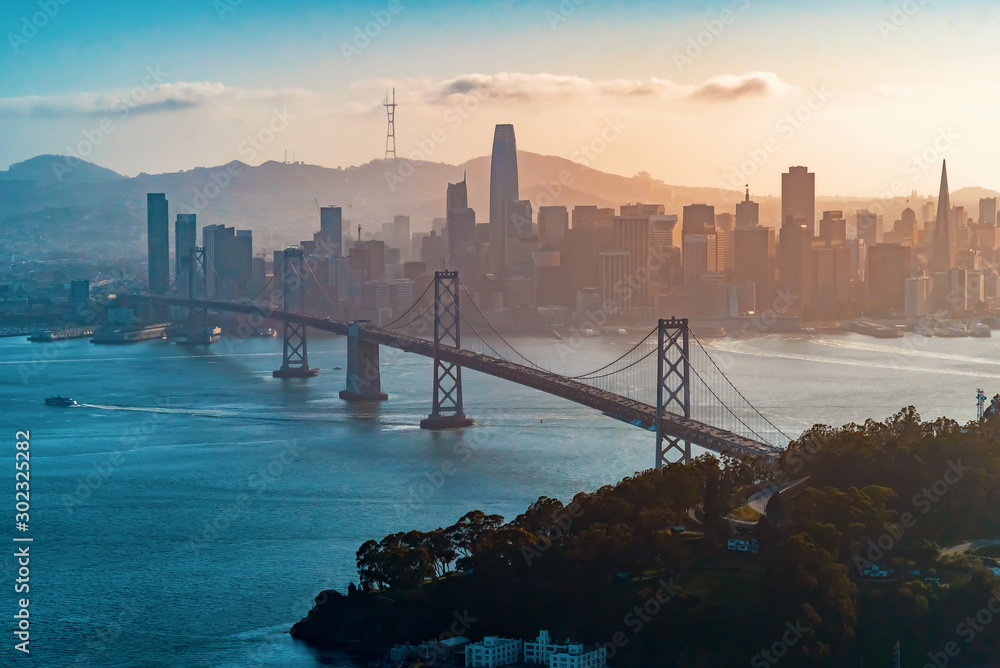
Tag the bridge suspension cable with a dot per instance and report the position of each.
(585, 376)
(320, 286)
(412, 306)
(737, 390)
(480, 336)
(499, 335)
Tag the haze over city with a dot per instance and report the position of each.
(700, 88)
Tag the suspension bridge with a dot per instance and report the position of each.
(667, 382)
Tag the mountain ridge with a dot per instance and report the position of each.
(278, 200)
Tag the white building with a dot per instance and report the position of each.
(492, 651)
(545, 652)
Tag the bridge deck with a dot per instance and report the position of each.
(635, 412)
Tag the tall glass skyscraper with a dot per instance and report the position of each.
(503, 188)
(158, 242)
(185, 240)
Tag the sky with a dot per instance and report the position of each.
(869, 95)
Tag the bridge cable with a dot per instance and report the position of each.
(412, 306)
(320, 286)
(719, 399)
(617, 360)
(480, 336)
(415, 319)
(773, 426)
(486, 320)
(302, 287)
(612, 373)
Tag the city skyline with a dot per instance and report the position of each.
(856, 71)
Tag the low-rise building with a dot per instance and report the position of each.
(492, 651)
(543, 651)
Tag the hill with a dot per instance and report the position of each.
(89, 204)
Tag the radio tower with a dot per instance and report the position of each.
(390, 136)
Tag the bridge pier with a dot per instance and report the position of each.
(447, 411)
(364, 380)
(673, 386)
(197, 332)
(295, 357)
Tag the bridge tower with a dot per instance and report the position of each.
(295, 361)
(197, 331)
(673, 387)
(447, 412)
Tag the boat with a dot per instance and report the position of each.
(980, 330)
(622, 331)
(923, 330)
(336, 368)
(808, 330)
(60, 401)
(870, 328)
(958, 330)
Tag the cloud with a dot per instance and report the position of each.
(521, 87)
(513, 87)
(158, 98)
(729, 87)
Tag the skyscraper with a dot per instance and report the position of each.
(943, 244)
(516, 224)
(632, 236)
(460, 225)
(185, 239)
(700, 258)
(833, 227)
(747, 213)
(798, 196)
(218, 241)
(754, 262)
(988, 211)
(158, 242)
(503, 188)
(553, 221)
(331, 230)
(698, 219)
(870, 227)
(888, 269)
